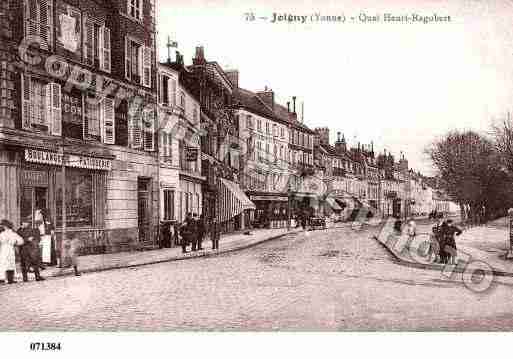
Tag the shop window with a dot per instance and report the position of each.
(169, 204)
(79, 199)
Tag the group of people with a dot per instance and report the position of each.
(443, 245)
(36, 248)
(193, 231)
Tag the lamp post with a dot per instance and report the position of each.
(63, 194)
(288, 206)
(509, 254)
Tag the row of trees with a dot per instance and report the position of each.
(476, 169)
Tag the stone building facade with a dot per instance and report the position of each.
(78, 100)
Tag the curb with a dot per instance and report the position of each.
(173, 259)
(437, 267)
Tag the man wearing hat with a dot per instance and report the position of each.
(30, 255)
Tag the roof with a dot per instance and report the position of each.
(285, 115)
(252, 102)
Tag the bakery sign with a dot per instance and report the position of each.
(56, 159)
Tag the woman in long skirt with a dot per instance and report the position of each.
(8, 240)
(47, 243)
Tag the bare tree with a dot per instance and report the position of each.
(468, 165)
(502, 131)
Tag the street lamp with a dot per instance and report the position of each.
(509, 254)
(288, 206)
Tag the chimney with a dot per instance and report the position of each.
(199, 58)
(340, 145)
(233, 76)
(288, 106)
(324, 135)
(294, 104)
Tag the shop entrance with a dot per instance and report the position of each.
(144, 209)
(32, 199)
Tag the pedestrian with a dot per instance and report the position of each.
(443, 238)
(215, 234)
(71, 250)
(398, 224)
(30, 256)
(194, 231)
(8, 240)
(303, 219)
(185, 233)
(47, 233)
(434, 247)
(202, 228)
(451, 231)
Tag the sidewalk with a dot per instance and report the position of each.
(102, 262)
(485, 243)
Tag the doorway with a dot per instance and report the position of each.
(32, 199)
(144, 209)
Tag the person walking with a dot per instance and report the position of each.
(30, 256)
(8, 240)
(185, 233)
(215, 234)
(443, 238)
(202, 228)
(69, 254)
(434, 245)
(398, 226)
(452, 231)
(303, 219)
(193, 222)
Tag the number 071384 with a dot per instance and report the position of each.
(41, 346)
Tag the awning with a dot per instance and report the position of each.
(333, 204)
(232, 200)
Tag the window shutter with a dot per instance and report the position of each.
(105, 61)
(135, 129)
(46, 23)
(149, 130)
(53, 108)
(146, 74)
(128, 59)
(31, 15)
(161, 88)
(108, 120)
(172, 92)
(92, 116)
(88, 42)
(26, 95)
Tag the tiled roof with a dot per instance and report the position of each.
(253, 103)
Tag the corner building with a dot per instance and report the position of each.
(80, 102)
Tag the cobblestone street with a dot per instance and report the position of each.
(323, 280)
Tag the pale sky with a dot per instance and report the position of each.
(399, 85)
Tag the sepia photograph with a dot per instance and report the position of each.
(173, 166)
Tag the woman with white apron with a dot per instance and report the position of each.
(8, 240)
(46, 228)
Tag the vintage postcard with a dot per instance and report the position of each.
(255, 166)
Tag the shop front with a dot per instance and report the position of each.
(40, 187)
(271, 209)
